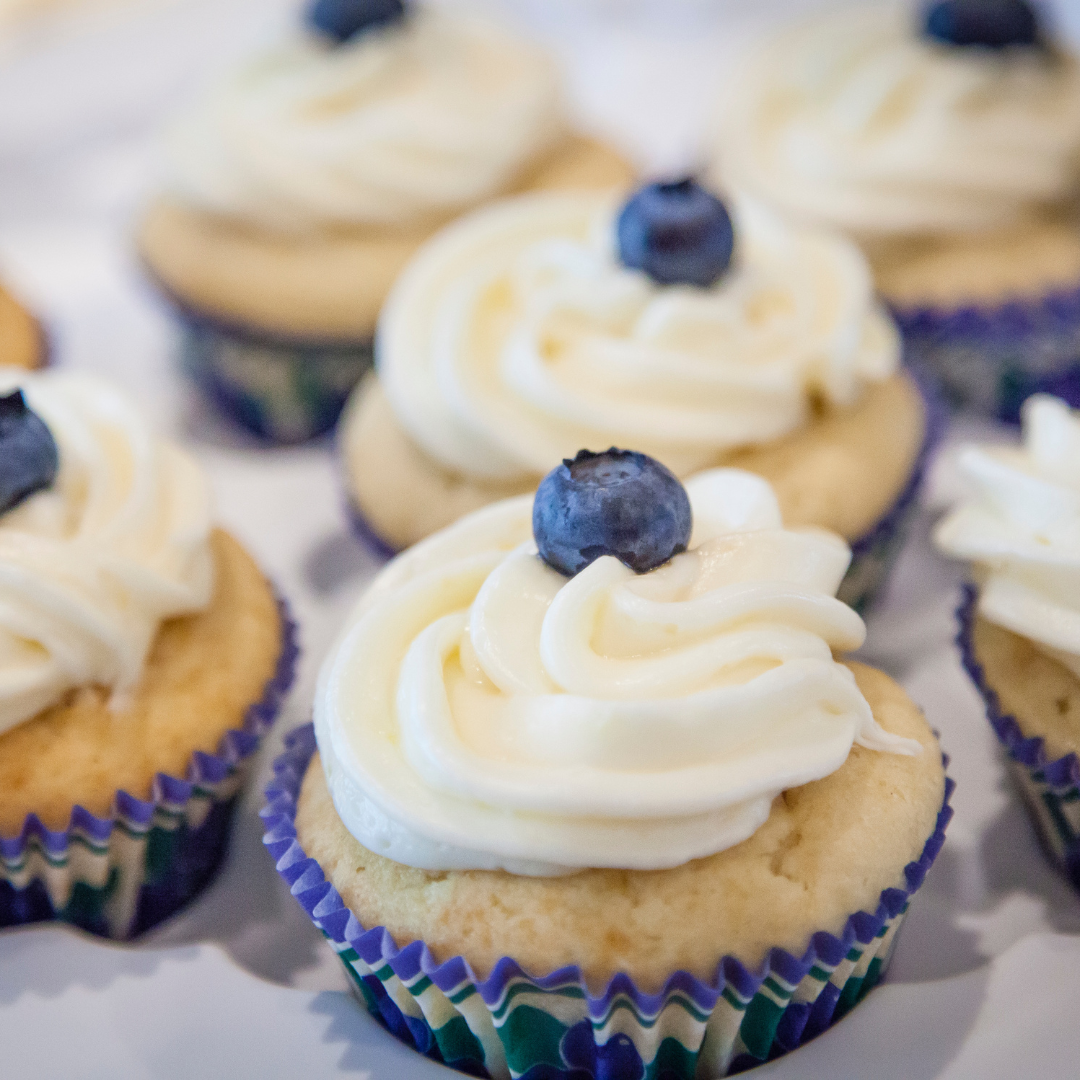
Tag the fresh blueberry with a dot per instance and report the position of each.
(617, 503)
(28, 455)
(344, 19)
(677, 233)
(991, 23)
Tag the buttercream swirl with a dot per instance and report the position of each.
(480, 710)
(1020, 525)
(402, 124)
(857, 119)
(515, 337)
(91, 566)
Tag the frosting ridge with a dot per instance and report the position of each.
(401, 125)
(480, 710)
(515, 337)
(90, 567)
(857, 119)
(1021, 527)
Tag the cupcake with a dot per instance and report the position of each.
(946, 139)
(142, 657)
(296, 191)
(703, 336)
(1019, 632)
(22, 344)
(527, 832)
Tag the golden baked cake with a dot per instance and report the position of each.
(297, 190)
(21, 342)
(541, 324)
(945, 137)
(588, 782)
(1017, 525)
(201, 676)
(142, 657)
(827, 849)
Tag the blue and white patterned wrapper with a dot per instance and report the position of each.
(989, 358)
(119, 875)
(872, 554)
(552, 1026)
(1049, 787)
(282, 389)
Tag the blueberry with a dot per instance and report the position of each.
(617, 503)
(28, 455)
(344, 19)
(677, 233)
(991, 23)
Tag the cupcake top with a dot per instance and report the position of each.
(541, 323)
(104, 533)
(867, 119)
(483, 709)
(1020, 526)
(404, 121)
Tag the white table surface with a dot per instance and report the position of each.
(987, 971)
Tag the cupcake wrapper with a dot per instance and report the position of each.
(117, 876)
(872, 554)
(551, 1027)
(1050, 789)
(282, 389)
(361, 528)
(990, 358)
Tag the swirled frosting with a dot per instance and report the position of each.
(91, 566)
(402, 124)
(480, 710)
(858, 120)
(1021, 527)
(515, 337)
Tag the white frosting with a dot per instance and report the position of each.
(515, 337)
(859, 120)
(480, 710)
(405, 123)
(1021, 527)
(91, 566)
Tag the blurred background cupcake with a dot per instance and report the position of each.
(295, 191)
(1019, 631)
(22, 343)
(526, 834)
(142, 657)
(550, 322)
(946, 138)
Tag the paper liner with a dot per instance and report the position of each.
(282, 389)
(872, 554)
(117, 876)
(989, 357)
(1050, 789)
(552, 1027)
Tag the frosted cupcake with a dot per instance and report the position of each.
(1020, 621)
(296, 191)
(142, 657)
(947, 140)
(603, 800)
(22, 344)
(551, 321)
